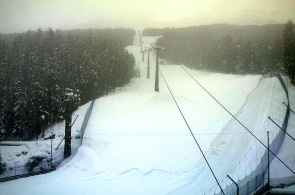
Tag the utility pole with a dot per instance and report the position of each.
(68, 126)
(157, 72)
(268, 176)
(238, 190)
(51, 149)
(142, 55)
(148, 63)
(139, 36)
(157, 67)
(140, 40)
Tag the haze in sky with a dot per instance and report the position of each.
(22, 15)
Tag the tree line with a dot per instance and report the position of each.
(230, 48)
(41, 70)
(120, 35)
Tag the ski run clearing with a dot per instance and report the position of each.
(137, 142)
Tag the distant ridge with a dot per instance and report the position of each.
(217, 31)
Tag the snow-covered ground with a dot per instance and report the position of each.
(287, 152)
(136, 141)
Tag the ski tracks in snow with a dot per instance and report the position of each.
(233, 141)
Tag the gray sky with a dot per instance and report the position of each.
(22, 15)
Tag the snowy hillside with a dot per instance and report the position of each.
(136, 141)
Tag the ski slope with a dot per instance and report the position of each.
(136, 141)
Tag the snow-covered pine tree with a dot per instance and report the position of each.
(289, 47)
(40, 67)
(2, 164)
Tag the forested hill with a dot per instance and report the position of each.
(216, 31)
(119, 35)
(224, 48)
(40, 70)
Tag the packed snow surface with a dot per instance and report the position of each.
(287, 152)
(137, 142)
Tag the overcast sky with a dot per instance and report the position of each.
(22, 15)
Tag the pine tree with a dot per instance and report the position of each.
(289, 47)
(2, 165)
(40, 69)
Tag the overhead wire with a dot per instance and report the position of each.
(191, 131)
(236, 119)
